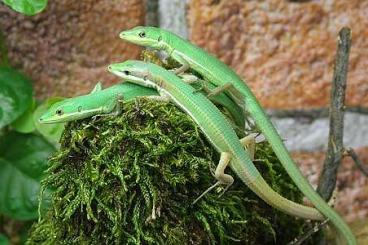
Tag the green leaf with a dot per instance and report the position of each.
(18, 193)
(24, 123)
(27, 7)
(22, 163)
(3, 240)
(52, 132)
(15, 95)
(27, 152)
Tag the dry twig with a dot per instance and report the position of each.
(327, 181)
(350, 152)
(305, 236)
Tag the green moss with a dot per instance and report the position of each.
(131, 179)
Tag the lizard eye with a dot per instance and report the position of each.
(79, 108)
(142, 34)
(159, 38)
(59, 112)
(126, 73)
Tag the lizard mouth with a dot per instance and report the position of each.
(119, 72)
(48, 121)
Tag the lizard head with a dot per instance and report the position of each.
(133, 71)
(146, 36)
(68, 110)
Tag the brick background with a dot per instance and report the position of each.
(285, 50)
(65, 49)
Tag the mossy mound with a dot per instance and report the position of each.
(132, 179)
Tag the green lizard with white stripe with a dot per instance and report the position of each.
(191, 56)
(98, 102)
(106, 101)
(215, 127)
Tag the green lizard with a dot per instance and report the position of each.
(220, 74)
(98, 102)
(106, 101)
(215, 127)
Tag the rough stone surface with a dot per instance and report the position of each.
(285, 49)
(67, 47)
(306, 135)
(352, 185)
(172, 16)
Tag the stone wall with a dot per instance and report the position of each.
(65, 49)
(283, 49)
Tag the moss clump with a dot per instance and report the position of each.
(131, 179)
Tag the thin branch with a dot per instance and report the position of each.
(350, 152)
(305, 236)
(312, 114)
(327, 181)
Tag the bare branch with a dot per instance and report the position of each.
(350, 152)
(327, 181)
(305, 236)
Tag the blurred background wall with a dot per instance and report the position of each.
(283, 49)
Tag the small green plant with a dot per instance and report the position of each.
(27, 7)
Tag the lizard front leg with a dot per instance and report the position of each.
(118, 105)
(228, 87)
(114, 110)
(184, 65)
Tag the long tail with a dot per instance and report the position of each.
(259, 186)
(302, 183)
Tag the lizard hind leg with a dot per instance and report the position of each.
(249, 143)
(220, 175)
